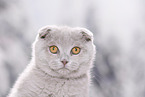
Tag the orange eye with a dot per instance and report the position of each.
(53, 49)
(75, 50)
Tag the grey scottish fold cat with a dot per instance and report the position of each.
(61, 61)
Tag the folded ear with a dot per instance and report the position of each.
(87, 35)
(43, 32)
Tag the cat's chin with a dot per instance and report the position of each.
(63, 71)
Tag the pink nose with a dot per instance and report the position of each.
(64, 62)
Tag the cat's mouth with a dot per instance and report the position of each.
(60, 70)
(63, 71)
(63, 68)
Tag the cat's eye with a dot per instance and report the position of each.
(75, 50)
(53, 49)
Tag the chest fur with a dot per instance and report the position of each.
(65, 88)
(55, 87)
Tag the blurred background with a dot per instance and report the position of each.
(119, 34)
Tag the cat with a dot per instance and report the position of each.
(60, 67)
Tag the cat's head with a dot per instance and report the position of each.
(63, 51)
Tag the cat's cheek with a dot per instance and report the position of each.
(55, 65)
(72, 66)
(52, 56)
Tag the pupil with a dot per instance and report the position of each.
(53, 48)
(75, 49)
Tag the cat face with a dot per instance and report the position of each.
(64, 51)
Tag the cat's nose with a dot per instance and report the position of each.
(64, 62)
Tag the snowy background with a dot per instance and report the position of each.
(119, 32)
